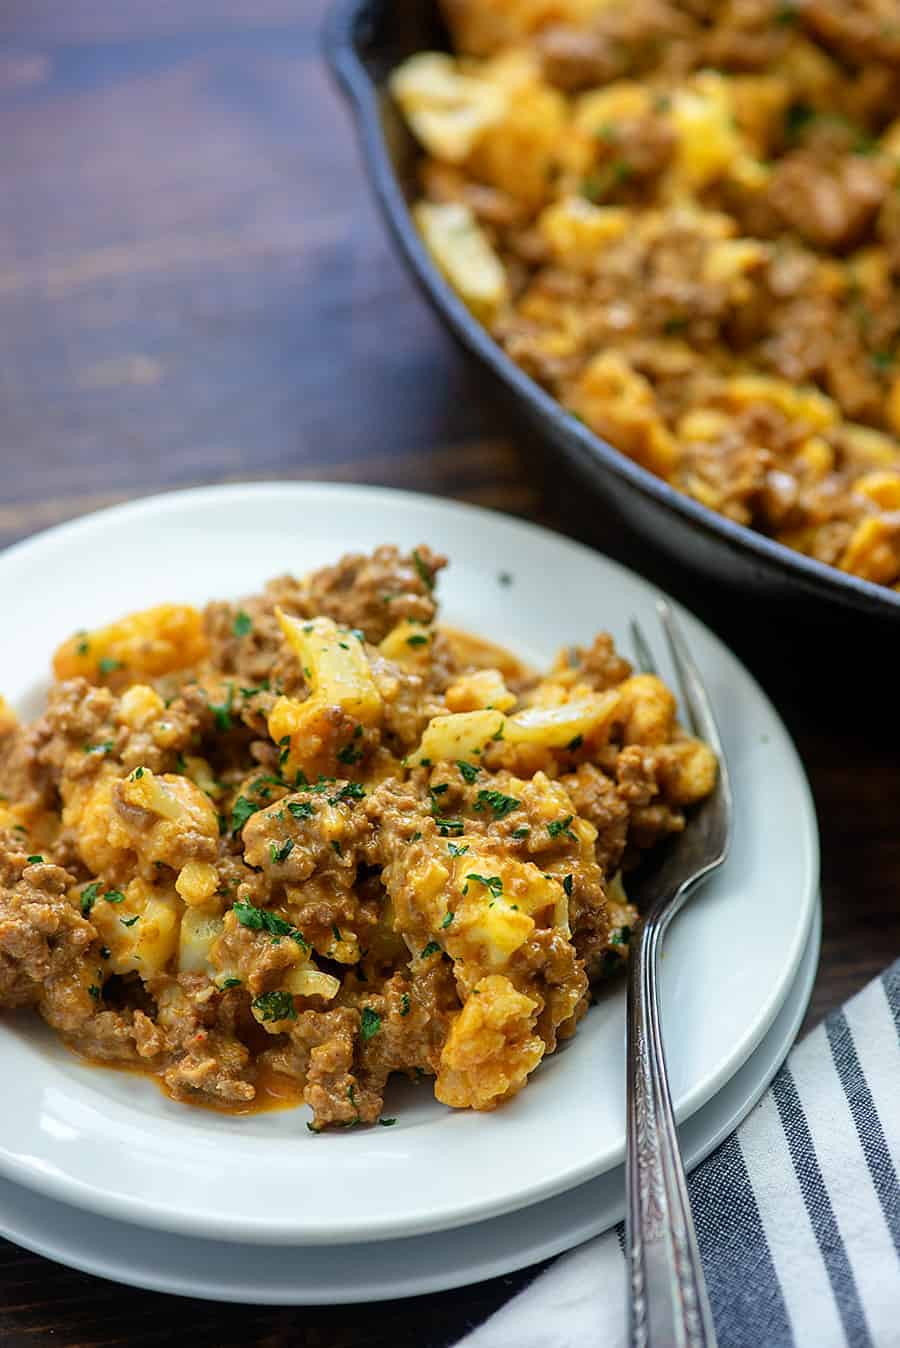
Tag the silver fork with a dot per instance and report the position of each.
(669, 1307)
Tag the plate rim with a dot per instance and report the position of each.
(65, 1188)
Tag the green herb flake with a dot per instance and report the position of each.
(105, 748)
(105, 952)
(352, 791)
(242, 623)
(107, 665)
(621, 936)
(277, 1005)
(336, 847)
(567, 885)
(370, 1024)
(130, 921)
(416, 836)
(312, 1128)
(500, 804)
(575, 743)
(114, 896)
(448, 918)
(261, 919)
(231, 983)
(139, 772)
(456, 851)
(349, 754)
(425, 575)
(469, 770)
(387, 1123)
(222, 711)
(301, 809)
(404, 1003)
(35, 860)
(505, 578)
(284, 745)
(519, 833)
(279, 854)
(498, 733)
(83, 647)
(561, 828)
(450, 828)
(432, 948)
(243, 808)
(94, 991)
(491, 882)
(417, 639)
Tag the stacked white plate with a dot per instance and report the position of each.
(102, 1172)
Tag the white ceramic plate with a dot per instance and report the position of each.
(336, 1274)
(111, 1143)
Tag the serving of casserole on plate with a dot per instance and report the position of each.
(310, 846)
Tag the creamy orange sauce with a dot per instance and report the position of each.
(472, 650)
(274, 1090)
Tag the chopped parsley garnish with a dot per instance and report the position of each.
(260, 919)
(35, 860)
(94, 992)
(370, 1023)
(448, 918)
(352, 791)
(522, 832)
(139, 772)
(336, 932)
(505, 578)
(575, 743)
(301, 809)
(275, 1006)
(417, 639)
(105, 748)
(468, 770)
(107, 665)
(456, 851)
(561, 827)
(621, 936)
(567, 885)
(180, 763)
(242, 623)
(440, 789)
(404, 1003)
(105, 952)
(349, 754)
(498, 733)
(312, 1128)
(83, 647)
(336, 847)
(416, 836)
(432, 948)
(114, 896)
(387, 1123)
(130, 921)
(450, 828)
(597, 186)
(261, 687)
(491, 882)
(243, 808)
(284, 745)
(500, 804)
(222, 711)
(881, 360)
(281, 853)
(231, 983)
(425, 575)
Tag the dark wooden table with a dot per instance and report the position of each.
(194, 287)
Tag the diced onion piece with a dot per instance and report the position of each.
(448, 738)
(461, 251)
(447, 111)
(199, 933)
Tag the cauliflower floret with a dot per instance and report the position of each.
(491, 1047)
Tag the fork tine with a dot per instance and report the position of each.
(694, 697)
(642, 651)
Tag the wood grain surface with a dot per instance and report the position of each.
(194, 288)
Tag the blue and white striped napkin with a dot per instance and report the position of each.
(797, 1213)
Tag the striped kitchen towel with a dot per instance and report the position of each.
(797, 1213)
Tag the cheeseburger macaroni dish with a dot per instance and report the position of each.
(285, 847)
(682, 218)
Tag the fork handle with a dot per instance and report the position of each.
(668, 1303)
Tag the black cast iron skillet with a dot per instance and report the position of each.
(364, 41)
